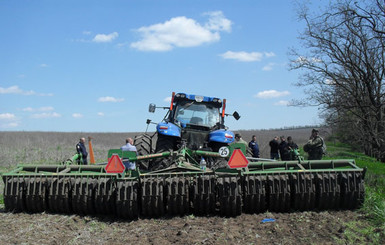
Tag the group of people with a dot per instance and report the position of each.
(287, 149)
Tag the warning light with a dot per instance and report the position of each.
(238, 160)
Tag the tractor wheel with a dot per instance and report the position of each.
(143, 144)
(163, 144)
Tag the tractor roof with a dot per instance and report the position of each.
(197, 98)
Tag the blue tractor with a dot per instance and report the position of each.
(192, 121)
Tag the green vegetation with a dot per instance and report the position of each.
(374, 205)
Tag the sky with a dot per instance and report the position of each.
(95, 66)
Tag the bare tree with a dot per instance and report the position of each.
(344, 68)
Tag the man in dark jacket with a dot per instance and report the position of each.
(274, 147)
(81, 149)
(253, 145)
(293, 148)
(284, 149)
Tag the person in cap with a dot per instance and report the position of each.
(314, 147)
(238, 139)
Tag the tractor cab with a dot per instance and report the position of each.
(195, 121)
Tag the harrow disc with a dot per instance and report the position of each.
(104, 200)
(152, 197)
(279, 195)
(229, 196)
(14, 194)
(254, 193)
(127, 199)
(35, 198)
(303, 192)
(203, 189)
(177, 196)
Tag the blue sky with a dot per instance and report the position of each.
(96, 65)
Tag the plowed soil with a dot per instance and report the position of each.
(326, 227)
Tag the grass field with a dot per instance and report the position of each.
(374, 205)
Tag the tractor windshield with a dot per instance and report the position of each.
(191, 112)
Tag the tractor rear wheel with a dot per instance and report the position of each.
(163, 144)
(143, 144)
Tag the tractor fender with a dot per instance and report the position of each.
(222, 136)
(169, 129)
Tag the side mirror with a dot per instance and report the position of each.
(236, 115)
(148, 121)
(151, 108)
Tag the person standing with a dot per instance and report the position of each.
(129, 146)
(253, 145)
(293, 148)
(314, 146)
(81, 149)
(284, 149)
(274, 147)
(238, 139)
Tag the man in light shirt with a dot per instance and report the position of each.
(129, 146)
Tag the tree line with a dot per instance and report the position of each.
(342, 60)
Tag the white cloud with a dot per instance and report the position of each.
(77, 115)
(181, 32)
(242, 56)
(17, 90)
(282, 103)
(267, 94)
(45, 115)
(105, 38)
(246, 56)
(7, 116)
(268, 67)
(269, 54)
(8, 120)
(167, 99)
(101, 114)
(44, 108)
(218, 22)
(110, 99)
(9, 125)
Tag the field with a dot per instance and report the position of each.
(56, 147)
(324, 227)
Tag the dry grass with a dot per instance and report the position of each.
(56, 147)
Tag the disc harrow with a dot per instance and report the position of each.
(184, 188)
